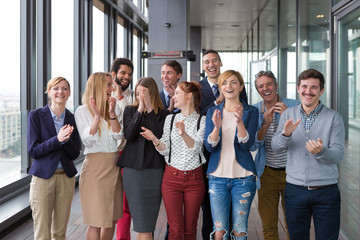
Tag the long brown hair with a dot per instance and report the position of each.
(149, 83)
(96, 88)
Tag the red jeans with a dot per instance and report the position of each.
(183, 192)
(123, 224)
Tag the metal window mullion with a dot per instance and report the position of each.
(43, 49)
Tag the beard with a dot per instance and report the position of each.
(123, 87)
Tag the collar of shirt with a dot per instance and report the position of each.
(308, 121)
(211, 84)
(58, 122)
(166, 93)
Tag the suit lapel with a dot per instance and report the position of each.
(47, 120)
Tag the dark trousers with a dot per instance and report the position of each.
(207, 226)
(323, 204)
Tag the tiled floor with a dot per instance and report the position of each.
(77, 230)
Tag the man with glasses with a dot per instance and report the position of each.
(270, 165)
(314, 137)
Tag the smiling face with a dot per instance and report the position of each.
(59, 93)
(181, 98)
(267, 89)
(109, 87)
(309, 92)
(169, 77)
(211, 65)
(123, 77)
(231, 88)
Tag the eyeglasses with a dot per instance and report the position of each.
(265, 73)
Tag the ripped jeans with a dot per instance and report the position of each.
(239, 192)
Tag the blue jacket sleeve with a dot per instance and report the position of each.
(251, 127)
(38, 146)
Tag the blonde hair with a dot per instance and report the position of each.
(150, 84)
(228, 74)
(53, 82)
(96, 88)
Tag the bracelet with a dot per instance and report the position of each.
(115, 118)
(157, 144)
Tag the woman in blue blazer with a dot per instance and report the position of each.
(229, 134)
(53, 144)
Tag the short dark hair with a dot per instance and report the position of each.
(312, 73)
(266, 74)
(121, 61)
(174, 64)
(212, 51)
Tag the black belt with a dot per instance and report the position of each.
(276, 169)
(315, 187)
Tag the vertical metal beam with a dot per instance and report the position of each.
(43, 49)
(82, 47)
(27, 72)
(109, 36)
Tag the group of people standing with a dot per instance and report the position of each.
(190, 145)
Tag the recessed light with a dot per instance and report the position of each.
(219, 4)
(320, 16)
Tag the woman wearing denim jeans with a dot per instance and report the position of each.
(229, 134)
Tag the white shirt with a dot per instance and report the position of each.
(119, 111)
(129, 95)
(182, 157)
(107, 142)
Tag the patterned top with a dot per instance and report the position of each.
(308, 121)
(182, 157)
(278, 159)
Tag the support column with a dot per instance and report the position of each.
(195, 46)
(167, 38)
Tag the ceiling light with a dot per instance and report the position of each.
(219, 4)
(320, 16)
(217, 25)
(217, 39)
(235, 25)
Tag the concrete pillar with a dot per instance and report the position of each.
(162, 38)
(195, 46)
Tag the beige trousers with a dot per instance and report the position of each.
(50, 201)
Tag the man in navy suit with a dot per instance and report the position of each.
(171, 72)
(210, 96)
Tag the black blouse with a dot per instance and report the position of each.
(140, 153)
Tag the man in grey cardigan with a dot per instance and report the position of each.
(314, 137)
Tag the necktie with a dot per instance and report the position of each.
(168, 101)
(215, 89)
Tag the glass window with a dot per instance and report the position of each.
(268, 28)
(313, 42)
(136, 55)
(120, 38)
(348, 81)
(98, 37)
(287, 49)
(244, 62)
(62, 43)
(255, 41)
(10, 117)
(146, 47)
